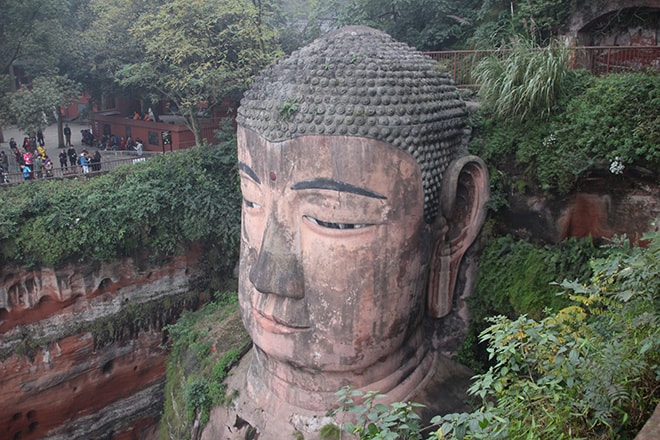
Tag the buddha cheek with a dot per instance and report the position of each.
(353, 297)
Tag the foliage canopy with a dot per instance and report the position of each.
(197, 53)
(151, 208)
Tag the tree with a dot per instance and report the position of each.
(31, 38)
(497, 21)
(31, 106)
(105, 42)
(424, 24)
(198, 52)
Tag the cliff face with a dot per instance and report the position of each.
(81, 347)
(602, 208)
(63, 377)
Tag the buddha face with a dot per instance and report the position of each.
(333, 249)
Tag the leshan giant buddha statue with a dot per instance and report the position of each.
(358, 206)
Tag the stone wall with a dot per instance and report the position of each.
(616, 23)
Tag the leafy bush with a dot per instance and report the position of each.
(198, 363)
(515, 277)
(373, 420)
(591, 370)
(593, 122)
(618, 116)
(152, 208)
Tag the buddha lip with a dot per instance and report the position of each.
(273, 325)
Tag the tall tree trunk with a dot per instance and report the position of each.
(193, 124)
(60, 130)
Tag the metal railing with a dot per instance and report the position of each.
(600, 60)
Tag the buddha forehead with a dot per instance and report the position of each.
(359, 82)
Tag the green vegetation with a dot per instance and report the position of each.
(515, 278)
(523, 79)
(375, 420)
(589, 370)
(288, 109)
(596, 122)
(204, 345)
(152, 209)
(540, 20)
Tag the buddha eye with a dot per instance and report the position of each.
(250, 204)
(331, 225)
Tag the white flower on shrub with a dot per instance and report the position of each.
(550, 140)
(617, 166)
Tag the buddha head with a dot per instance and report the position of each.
(358, 205)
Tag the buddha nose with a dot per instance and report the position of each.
(277, 269)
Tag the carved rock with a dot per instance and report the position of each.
(54, 381)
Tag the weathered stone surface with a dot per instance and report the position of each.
(602, 208)
(651, 430)
(596, 15)
(66, 387)
(64, 392)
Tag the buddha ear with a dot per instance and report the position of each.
(463, 198)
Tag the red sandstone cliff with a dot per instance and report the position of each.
(66, 386)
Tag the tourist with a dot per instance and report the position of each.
(27, 172)
(41, 151)
(28, 159)
(84, 161)
(63, 160)
(96, 161)
(48, 167)
(73, 157)
(37, 164)
(67, 135)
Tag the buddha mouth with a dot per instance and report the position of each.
(273, 325)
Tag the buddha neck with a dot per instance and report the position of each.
(398, 376)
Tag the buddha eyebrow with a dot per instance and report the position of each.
(322, 183)
(249, 171)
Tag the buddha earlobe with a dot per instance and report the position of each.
(463, 197)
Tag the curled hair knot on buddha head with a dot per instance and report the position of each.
(358, 81)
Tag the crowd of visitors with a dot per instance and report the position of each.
(113, 142)
(34, 162)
